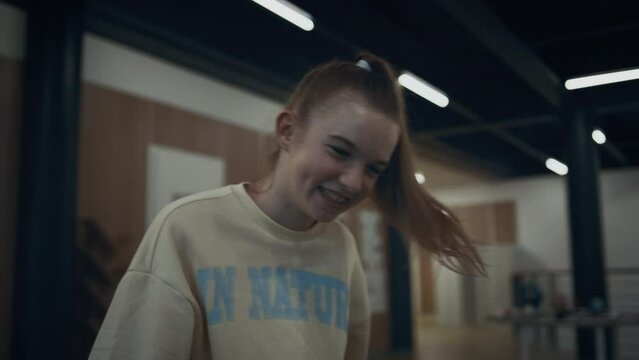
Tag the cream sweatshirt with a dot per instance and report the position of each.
(216, 278)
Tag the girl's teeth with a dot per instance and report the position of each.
(333, 196)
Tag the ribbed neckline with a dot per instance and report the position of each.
(257, 215)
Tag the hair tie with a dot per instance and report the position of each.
(363, 64)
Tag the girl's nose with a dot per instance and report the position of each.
(353, 179)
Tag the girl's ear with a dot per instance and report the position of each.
(284, 128)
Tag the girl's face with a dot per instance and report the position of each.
(336, 156)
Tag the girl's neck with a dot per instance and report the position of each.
(274, 200)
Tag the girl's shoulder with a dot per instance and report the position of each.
(200, 202)
(205, 195)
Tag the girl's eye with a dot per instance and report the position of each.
(374, 171)
(339, 152)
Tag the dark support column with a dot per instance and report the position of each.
(400, 295)
(42, 323)
(588, 261)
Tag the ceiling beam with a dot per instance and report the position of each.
(601, 109)
(499, 128)
(608, 31)
(500, 133)
(616, 154)
(489, 125)
(490, 31)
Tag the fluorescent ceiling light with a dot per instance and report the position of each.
(556, 166)
(602, 79)
(420, 178)
(423, 89)
(289, 12)
(598, 136)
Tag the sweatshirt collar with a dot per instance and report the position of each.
(259, 217)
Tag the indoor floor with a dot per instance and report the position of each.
(480, 342)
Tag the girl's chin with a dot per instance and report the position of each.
(327, 216)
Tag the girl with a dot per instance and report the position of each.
(263, 270)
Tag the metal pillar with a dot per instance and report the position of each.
(400, 295)
(43, 305)
(588, 261)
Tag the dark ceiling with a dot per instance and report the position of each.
(502, 63)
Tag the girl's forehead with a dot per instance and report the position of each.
(354, 120)
(341, 98)
(342, 105)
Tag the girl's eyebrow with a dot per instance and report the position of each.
(352, 145)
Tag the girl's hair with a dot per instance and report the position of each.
(403, 202)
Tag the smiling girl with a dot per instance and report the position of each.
(264, 270)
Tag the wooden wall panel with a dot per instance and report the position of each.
(115, 130)
(241, 153)
(476, 220)
(490, 223)
(266, 146)
(380, 333)
(427, 304)
(188, 131)
(506, 223)
(10, 113)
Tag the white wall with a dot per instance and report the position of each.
(175, 173)
(543, 234)
(620, 193)
(449, 300)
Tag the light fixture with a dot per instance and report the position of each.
(556, 166)
(601, 79)
(598, 136)
(423, 89)
(420, 178)
(289, 12)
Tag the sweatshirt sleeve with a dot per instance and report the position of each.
(147, 319)
(359, 316)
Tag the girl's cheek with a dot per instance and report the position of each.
(331, 166)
